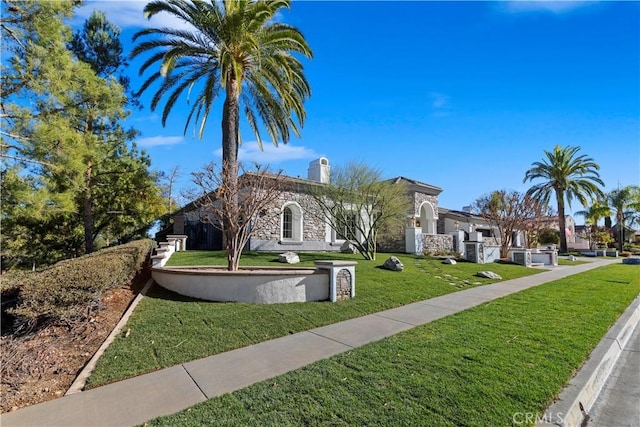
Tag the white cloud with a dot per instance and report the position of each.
(155, 141)
(439, 100)
(270, 154)
(440, 105)
(127, 14)
(153, 117)
(549, 6)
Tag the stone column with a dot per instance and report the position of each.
(342, 278)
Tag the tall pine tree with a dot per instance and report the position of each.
(64, 148)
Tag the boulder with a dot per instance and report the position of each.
(489, 275)
(449, 261)
(572, 258)
(393, 264)
(631, 260)
(348, 248)
(289, 258)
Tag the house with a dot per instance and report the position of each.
(294, 223)
(466, 221)
(628, 233)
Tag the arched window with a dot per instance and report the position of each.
(287, 223)
(291, 222)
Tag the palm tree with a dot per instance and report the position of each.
(236, 47)
(567, 175)
(592, 215)
(624, 202)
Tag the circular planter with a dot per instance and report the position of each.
(265, 285)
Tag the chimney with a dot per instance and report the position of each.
(319, 170)
(467, 209)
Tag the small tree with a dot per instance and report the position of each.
(538, 217)
(255, 191)
(603, 238)
(358, 204)
(549, 236)
(508, 212)
(592, 215)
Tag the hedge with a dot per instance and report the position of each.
(65, 290)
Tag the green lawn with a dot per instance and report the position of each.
(479, 367)
(167, 329)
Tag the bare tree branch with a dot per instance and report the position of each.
(255, 192)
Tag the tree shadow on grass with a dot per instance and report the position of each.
(158, 292)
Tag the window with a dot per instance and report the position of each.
(291, 222)
(287, 223)
(348, 230)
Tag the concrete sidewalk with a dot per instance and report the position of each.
(139, 399)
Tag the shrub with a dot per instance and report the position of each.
(67, 289)
(549, 236)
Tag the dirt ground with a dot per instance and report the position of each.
(42, 365)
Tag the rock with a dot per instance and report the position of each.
(489, 275)
(572, 258)
(348, 248)
(289, 258)
(631, 260)
(393, 264)
(449, 261)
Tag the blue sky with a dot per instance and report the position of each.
(461, 95)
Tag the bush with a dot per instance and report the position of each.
(67, 289)
(549, 236)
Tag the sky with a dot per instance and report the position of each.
(461, 95)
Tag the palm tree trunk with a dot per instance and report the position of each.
(230, 142)
(561, 221)
(620, 219)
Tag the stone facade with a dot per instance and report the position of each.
(267, 225)
(316, 234)
(344, 281)
(419, 198)
(437, 243)
(391, 240)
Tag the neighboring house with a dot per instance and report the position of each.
(628, 236)
(570, 226)
(465, 220)
(582, 238)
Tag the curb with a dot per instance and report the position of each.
(571, 407)
(81, 379)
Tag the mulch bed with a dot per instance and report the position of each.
(42, 365)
